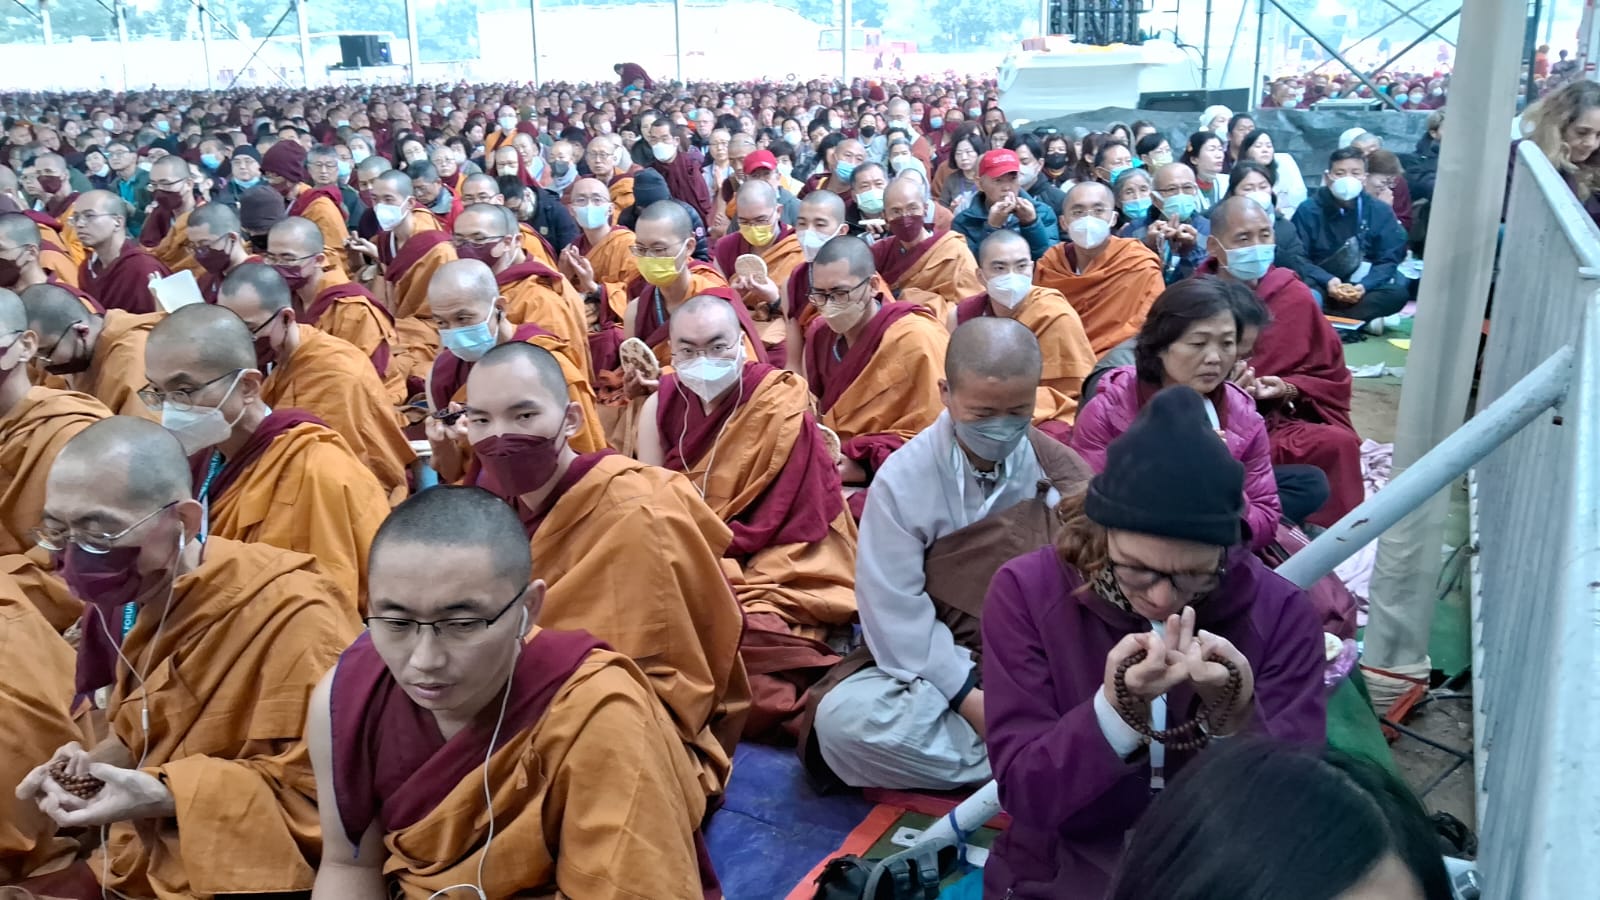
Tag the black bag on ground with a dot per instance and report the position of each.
(911, 874)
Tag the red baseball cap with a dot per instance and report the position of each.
(996, 163)
(761, 159)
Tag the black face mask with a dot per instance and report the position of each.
(868, 130)
(559, 168)
(1055, 161)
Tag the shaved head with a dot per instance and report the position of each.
(12, 316)
(258, 283)
(169, 168)
(396, 180)
(212, 337)
(295, 236)
(1089, 192)
(103, 202)
(902, 191)
(848, 249)
(705, 312)
(756, 198)
(450, 516)
(480, 185)
(17, 230)
(531, 367)
(130, 462)
(486, 219)
(590, 187)
(52, 309)
(825, 203)
(53, 162)
(1236, 212)
(8, 179)
(991, 347)
(669, 215)
(1001, 242)
(217, 219)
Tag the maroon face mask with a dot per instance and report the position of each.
(10, 272)
(171, 201)
(292, 276)
(906, 228)
(105, 580)
(50, 184)
(213, 260)
(516, 464)
(483, 253)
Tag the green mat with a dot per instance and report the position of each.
(1353, 726)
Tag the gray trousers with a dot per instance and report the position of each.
(875, 730)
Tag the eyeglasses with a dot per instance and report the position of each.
(180, 399)
(823, 298)
(1187, 584)
(193, 247)
(658, 252)
(79, 219)
(714, 351)
(279, 260)
(457, 631)
(1175, 190)
(55, 538)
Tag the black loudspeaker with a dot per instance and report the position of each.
(1174, 101)
(361, 50)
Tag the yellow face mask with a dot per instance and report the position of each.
(758, 235)
(658, 270)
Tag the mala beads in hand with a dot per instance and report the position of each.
(80, 786)
(1186, 736)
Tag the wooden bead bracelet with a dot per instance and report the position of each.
(1185, 736)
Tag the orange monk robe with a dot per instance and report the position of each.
(447, 384)
(938, 273)
(534, 245)
(782, 257)
(614, 269)
(30, 437)
(1113, 297)
(116, 370)
(298, 486)
(633, 555)
(329, 218)
(407, 269)
(537, 294)
(612, 813)
(1068, 357)
(70, 242)
(173, 250)
(227, 709)
(351, 313)
(36, 668)
(334, 381)
(55, 261)
(621, 188)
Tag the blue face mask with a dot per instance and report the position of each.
(844, 169)
(1251, 263)
(344, 169)
(247, 184)
(210, 161)
(471, 342)
(936, 122)
(993, 439)
(1117, 173)
(1137, 210)
(592, 217)
(1183, 206)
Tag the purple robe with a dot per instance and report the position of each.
(1070, 797)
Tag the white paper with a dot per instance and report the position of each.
(176, 291)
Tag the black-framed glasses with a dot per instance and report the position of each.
(82, 218)
(55, 539)
(179, 399)
(1187, 584)
(823, 298)
(280, 260)
(462, 630)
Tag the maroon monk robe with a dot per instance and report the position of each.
(795, 301)
(583, 237)
(211, 285)
(733, 245)
(44, 219)
(450, 371)
(1300, 347)
(50, 278)
(307, 197)
(831, 368)
(894, 262)
(651, 321)
(528, 268)
(549, 249)
(327, 297)
(124, 282)
(685, 183)
(156, 225)
(604, 343)
(976, 307)
(58, 207)
(397, 263)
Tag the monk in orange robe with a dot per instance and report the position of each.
(410, 250)
(284, 167)
(276, 476)
(873, 364)
(472, 319)
(821, 218)
(485, 188)
(208, 788)
(99, 355)
(165, 232)
(535, 293)
(630, 551)
(118, 270)
(401, 768)
(326, 376)
(60, 202)
(744, 434)
(217, 243)
(759, 231)
(35, 422)
(1111, 284)
(600, 264)
(1006, 266)
(933, 268)
(36, 668)
(326, 299)
(30, 253)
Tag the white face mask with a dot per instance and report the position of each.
(1089, 232)
(1347, 188)
(1262, 197)
(811, 241)
(1027, 175)
(389, 215)
(508, 123)
(664, 152)
(200, 427)
(785, 168)
(359, 155)
(710, 378)
(1009, 289)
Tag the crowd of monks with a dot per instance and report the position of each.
(232, 597)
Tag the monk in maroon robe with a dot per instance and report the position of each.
(680, 170)
(117, 272)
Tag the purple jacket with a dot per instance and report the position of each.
(1116, 404)
(1071, 798)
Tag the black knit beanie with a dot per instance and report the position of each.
(1170, 475)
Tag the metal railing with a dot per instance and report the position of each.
(1536, 597)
